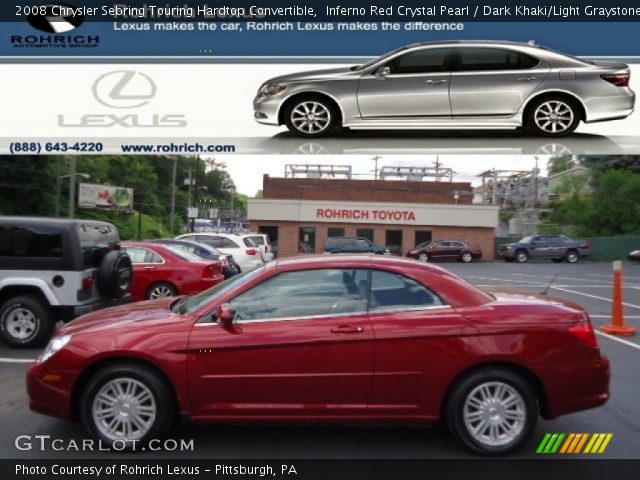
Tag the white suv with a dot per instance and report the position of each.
(247, 257)
(53, 269)
(260, 240)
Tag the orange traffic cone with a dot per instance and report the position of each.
(617, 326)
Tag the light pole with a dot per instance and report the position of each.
(86, 176)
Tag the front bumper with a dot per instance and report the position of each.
(266, 109)
(47, 396)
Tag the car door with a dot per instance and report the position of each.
(415, 85)
(416, 340)
(488, 82)
(539, 247)
(301, 346)
(437, 250)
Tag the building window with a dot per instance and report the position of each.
(366, 233)
(307, 240)
(393, 241)
(422, 236)
(335, 232)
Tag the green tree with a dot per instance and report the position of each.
(560, 164)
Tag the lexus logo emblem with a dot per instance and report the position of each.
(124, 89)
(52, 22)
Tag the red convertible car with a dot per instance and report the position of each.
(164, 271)
(341, 339)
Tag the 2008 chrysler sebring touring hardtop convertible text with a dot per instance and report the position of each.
(331, 338)
(447, 85)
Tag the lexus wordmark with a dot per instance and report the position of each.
(451, 85)
(327, 339)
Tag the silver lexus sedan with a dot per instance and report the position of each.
(451, 85)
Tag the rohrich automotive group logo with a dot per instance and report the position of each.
(573, 443)
(56, 21)
(124, 90)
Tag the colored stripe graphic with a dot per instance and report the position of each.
(574, 443)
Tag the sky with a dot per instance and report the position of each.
(247, 171)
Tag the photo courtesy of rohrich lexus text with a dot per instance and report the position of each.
(314, 240)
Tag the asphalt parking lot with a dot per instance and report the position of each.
(589, 284)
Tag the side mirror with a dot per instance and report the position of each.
(382, 73)
(225, 314)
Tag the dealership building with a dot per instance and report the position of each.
(301, 213)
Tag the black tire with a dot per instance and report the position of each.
(567, 103)
(572, 256)
(324, 105)
(457, 398)
(162, 393)
(115, 274)
(521, 256)
(466, 257)
(556, 260)
(36, 312)
(172, 291)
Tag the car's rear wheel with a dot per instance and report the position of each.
(492, 411)
(26, 322)
(161, 290)
(311, 116)
(423, 257)
(126, 404)
(553, 116)
(466, 257)
(572, 256)
(522, 256)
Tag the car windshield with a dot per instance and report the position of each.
(526, 239)
(380, 59)
(423, 244)
(182, 254)
(195, 302)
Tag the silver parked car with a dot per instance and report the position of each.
(451, 85)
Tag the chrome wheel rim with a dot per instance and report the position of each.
(572, 257)
(160, 291)
(423, 257)
(554, 116)
(124, 409)
(494, 414)
(466, 257)
(310, 117)
(522, 257)
(21, 323)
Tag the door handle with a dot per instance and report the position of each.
(149, 268)
(526, 79)
(436, 82)
(347, 329)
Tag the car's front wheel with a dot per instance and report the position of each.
(572, 256)
(311, 116)
(126, 404)
(522, 256)
(26, 321)
(492, 411)
(466, 257)
(553, 116)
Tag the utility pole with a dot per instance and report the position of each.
(58, 186)
(375, 159)
(72, 186)
(437, 164)
(173, 196)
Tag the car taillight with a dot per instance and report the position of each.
(251, 251)
(618, 79)
(212, 270)
(87, 283)
(585, 333)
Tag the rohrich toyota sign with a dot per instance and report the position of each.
(368, 214)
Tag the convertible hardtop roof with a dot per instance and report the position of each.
(53, 221)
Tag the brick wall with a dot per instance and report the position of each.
(396, 191)
(288, 234)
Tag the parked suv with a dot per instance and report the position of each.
(53, 269)
(247, 257)
(549, 247)
(353, 245)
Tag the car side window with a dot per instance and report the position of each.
(41, 242)
(305, 293)
(478, 59)
(392, 291)
(426, 60)
(137, 255)
(227, 243)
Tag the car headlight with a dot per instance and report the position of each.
(55, 345)
(271, 89)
